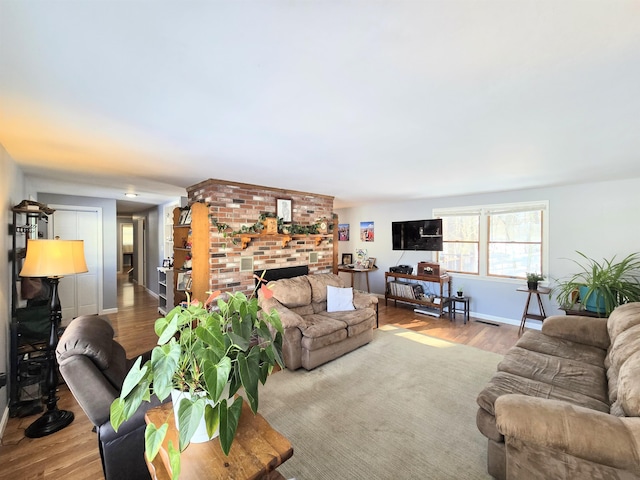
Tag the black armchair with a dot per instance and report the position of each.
(94, 366)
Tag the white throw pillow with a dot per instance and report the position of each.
(339, 299)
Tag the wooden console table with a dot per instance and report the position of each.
(255, 453)
(436, 307)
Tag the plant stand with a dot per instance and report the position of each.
(453, 301)
(533, 316)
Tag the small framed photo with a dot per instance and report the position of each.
(181, 281)
(347, 259)
(283, 209)
(371, 262)
(187, 219)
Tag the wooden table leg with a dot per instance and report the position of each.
(541, 306)
(524, 315)
(466, 310)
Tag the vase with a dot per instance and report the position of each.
(595, 302)
(200, 434)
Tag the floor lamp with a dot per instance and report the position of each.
(52, 259)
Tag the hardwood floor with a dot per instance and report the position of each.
(487, 337)
(72, 453)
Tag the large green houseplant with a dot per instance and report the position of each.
(204, 350)
(601, 286)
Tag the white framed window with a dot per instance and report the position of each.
(505, 240)
(460, 243)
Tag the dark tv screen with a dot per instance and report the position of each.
(423, 235)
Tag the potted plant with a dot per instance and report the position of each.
(533, 279)
(602, 286)
(460, 291)
(204, 354)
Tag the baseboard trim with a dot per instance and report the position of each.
(533, 324)
(109, 311)
(3, 422)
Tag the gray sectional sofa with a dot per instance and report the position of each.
(565, 401)
(312, 335)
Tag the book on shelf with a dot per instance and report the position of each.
(402, 289)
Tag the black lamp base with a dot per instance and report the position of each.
(50, 422)
(53, 419)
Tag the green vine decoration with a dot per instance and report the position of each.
(256, 228)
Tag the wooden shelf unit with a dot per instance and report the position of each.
(444, 282)
(196, 234)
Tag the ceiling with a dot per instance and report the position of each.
(367, 101)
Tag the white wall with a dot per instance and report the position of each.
(12, 192)
(598, 219)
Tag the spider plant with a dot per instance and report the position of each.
(602, 286)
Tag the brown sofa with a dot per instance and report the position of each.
(313, 336)
(565, 401)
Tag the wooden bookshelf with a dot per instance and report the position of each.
(191, 240)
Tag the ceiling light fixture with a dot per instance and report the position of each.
(131, 195)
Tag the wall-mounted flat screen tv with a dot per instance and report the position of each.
(425, 235)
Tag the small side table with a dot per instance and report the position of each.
(256, 452)
(353, 271)
(453, 307)
(533, 316)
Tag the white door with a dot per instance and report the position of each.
(80, 294)
(139, 252)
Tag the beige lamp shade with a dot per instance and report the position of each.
(54, 258)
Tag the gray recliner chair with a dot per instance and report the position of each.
(94, 366)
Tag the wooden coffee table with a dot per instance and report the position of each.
(256, 451)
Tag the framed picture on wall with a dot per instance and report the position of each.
(343, 232)
(283, 209)
(366, 231)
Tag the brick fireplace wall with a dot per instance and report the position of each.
(237, 205)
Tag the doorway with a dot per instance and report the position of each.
(139, 251)
(126, 247)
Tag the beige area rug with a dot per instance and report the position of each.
(401, 407)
